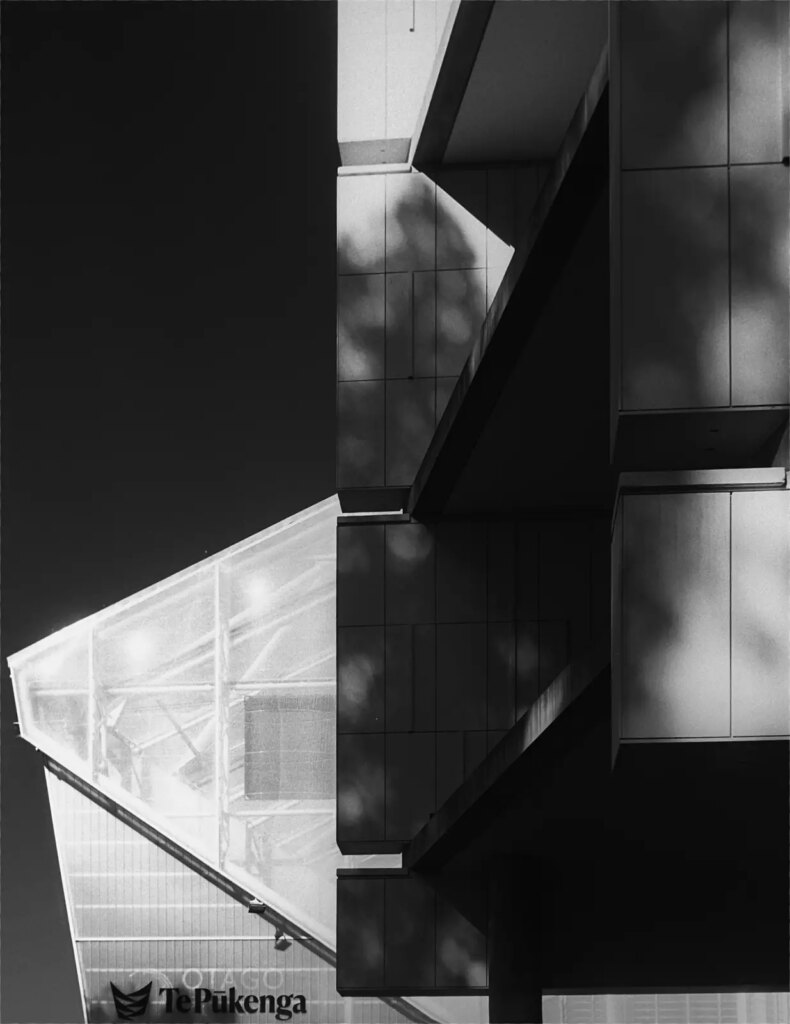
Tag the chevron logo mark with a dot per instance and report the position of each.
(131, 1004)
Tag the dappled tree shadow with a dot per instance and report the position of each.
(417, 269)
(705, 247)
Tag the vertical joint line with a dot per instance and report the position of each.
(93, 718)
(730, 606)
(412, 628)
(728, 10)
(413, 318)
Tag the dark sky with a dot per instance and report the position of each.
(168, 203)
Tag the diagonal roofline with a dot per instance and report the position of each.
(217, 878)
(179, 577)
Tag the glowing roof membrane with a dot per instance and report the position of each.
(205, 704)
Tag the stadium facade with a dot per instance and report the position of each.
(563, 569)
(501, 732)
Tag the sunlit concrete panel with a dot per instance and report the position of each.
(360, 574)
(360, 679)
(424, 323)
(360, 788)
(410, 783)
(760, 276)
(675, 616)
(410, 572)
(761, 613)
(410, 325)
(410, 417)
(410, 222)
(360, 223)
(399, 325)
(411, 34)
(684, 48)
(360, 433)
(461, 676)
(758, 45)
(360, 327)
(386, 52)
(460, 219)
(675, 290)
(460, 309)
(361, 70)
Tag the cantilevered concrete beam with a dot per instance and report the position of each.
(447, 85)
(578, 175)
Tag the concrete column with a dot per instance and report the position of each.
(514, 931)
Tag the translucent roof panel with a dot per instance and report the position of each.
(205, 704)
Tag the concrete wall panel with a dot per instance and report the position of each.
(444, 389)
(360, 787)
(555, 652)
(461, 676)
(758, 45)
(675, 616)
(565, 555)
(360, 434)
(527, 665)
(424, 323)
(501, 694)
(501, 580)
(410, 573)
(360, 933)
(360, 327)
(399, 329)
(760, 275)
(410, 222)
(410, 933)
(411, 678)
(761, 613)
(460, 219)
(460, 308)
(684, 47)
(461, 572)
(527, 571)
(460, 950)
(410, 418)
(360, 224)
(410, 783)
(360, 679)
(360, 575)
(449, 764)
(675, 290)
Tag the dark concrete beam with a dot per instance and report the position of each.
(493, 782)
(577, 177)
(448, 82)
